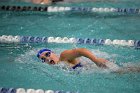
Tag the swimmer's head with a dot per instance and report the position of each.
(47, 56)
(41, 51)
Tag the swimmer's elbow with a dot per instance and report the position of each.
(82, 50)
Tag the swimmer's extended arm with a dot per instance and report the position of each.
(86, 53)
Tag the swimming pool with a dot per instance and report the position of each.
(19, 66)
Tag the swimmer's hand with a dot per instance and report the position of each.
(100, 62)
(102, 65)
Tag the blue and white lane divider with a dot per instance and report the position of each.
(22, 90)
(91, 41)
(65, 9)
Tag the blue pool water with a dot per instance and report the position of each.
(19, 66)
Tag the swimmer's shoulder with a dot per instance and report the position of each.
(63, 55)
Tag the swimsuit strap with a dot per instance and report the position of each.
(77, 65)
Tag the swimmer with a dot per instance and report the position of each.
(70, 57)
(57, 1)
(41, 1)
(45, 1)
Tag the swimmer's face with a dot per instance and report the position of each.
(49, 57)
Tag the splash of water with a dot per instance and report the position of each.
(89, 67)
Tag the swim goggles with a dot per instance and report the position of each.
(47, 55)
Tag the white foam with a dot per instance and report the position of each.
(130, 64)
(27, 57)
(112, 66)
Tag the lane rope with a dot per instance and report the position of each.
(22, 90)
(91, 41)
(66, 9)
